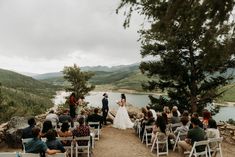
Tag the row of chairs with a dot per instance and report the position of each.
(17, 154)
(162, 145)
(74, 145)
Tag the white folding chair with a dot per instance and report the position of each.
(70, 147)
(97, 129)
(24, 141)
(8, 154)
(147, 134)
(163, 143)
(29, 155)
(83, 148)
(180, 136)
(194, 152)
(174, 126)
(215, 146)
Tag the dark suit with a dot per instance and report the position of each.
(95, 118)
(105, 109)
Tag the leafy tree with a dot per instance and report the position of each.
(192, 43)
(78, 80)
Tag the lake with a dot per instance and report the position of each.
(139, 100)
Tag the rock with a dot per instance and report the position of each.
(13, 133)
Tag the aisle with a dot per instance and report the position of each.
(124, 143)
(120, 143)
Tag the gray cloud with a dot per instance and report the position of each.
(57, 29)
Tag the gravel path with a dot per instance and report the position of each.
(124, 143)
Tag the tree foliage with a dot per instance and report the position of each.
(78, 80)
(192, 43)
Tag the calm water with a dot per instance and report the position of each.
(139, 100)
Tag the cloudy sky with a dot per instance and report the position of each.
(42, 36)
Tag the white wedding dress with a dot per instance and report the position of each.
(122, 119)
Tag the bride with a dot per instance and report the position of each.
(122, 119)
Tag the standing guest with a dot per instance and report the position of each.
(195, 134)
(72, 105)
(52, 142)
(81, 130)
(95, 118)
(153, 112)
(105, 107)
(53, 118)
(46, 126)
(65, 117)
(27, 132)
(80, 104)
(38, 146)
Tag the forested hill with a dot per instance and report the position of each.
(116, 77)
(23, 95)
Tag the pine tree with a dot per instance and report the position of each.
(78, 80)
(192, 43)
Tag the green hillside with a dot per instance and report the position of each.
(23, 95)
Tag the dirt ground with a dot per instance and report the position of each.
(125, 143)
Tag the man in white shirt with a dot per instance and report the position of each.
(153, 112)
(53, 118)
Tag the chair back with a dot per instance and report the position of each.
(180, 136)
(8, 154)
(203, 145)
(57, 155)
(96, 126)
(215, 145)
(84, 146)
(174, 126)
(24, 141)
(29, 155)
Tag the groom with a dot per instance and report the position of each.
(105, 107)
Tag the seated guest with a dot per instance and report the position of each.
(178, 112)
(53, 118)
(184, 127)
(195, 115)
(212, 131)
(38, 146)
(81, 130)
(27, 132)
(95, 118)
(153, 112)
(195, 134)
(175, 118)
(159, 128)
(149, 121)
(206, 115)
(47, 125)
(65, 117)
(65, 132)
(52, 142)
